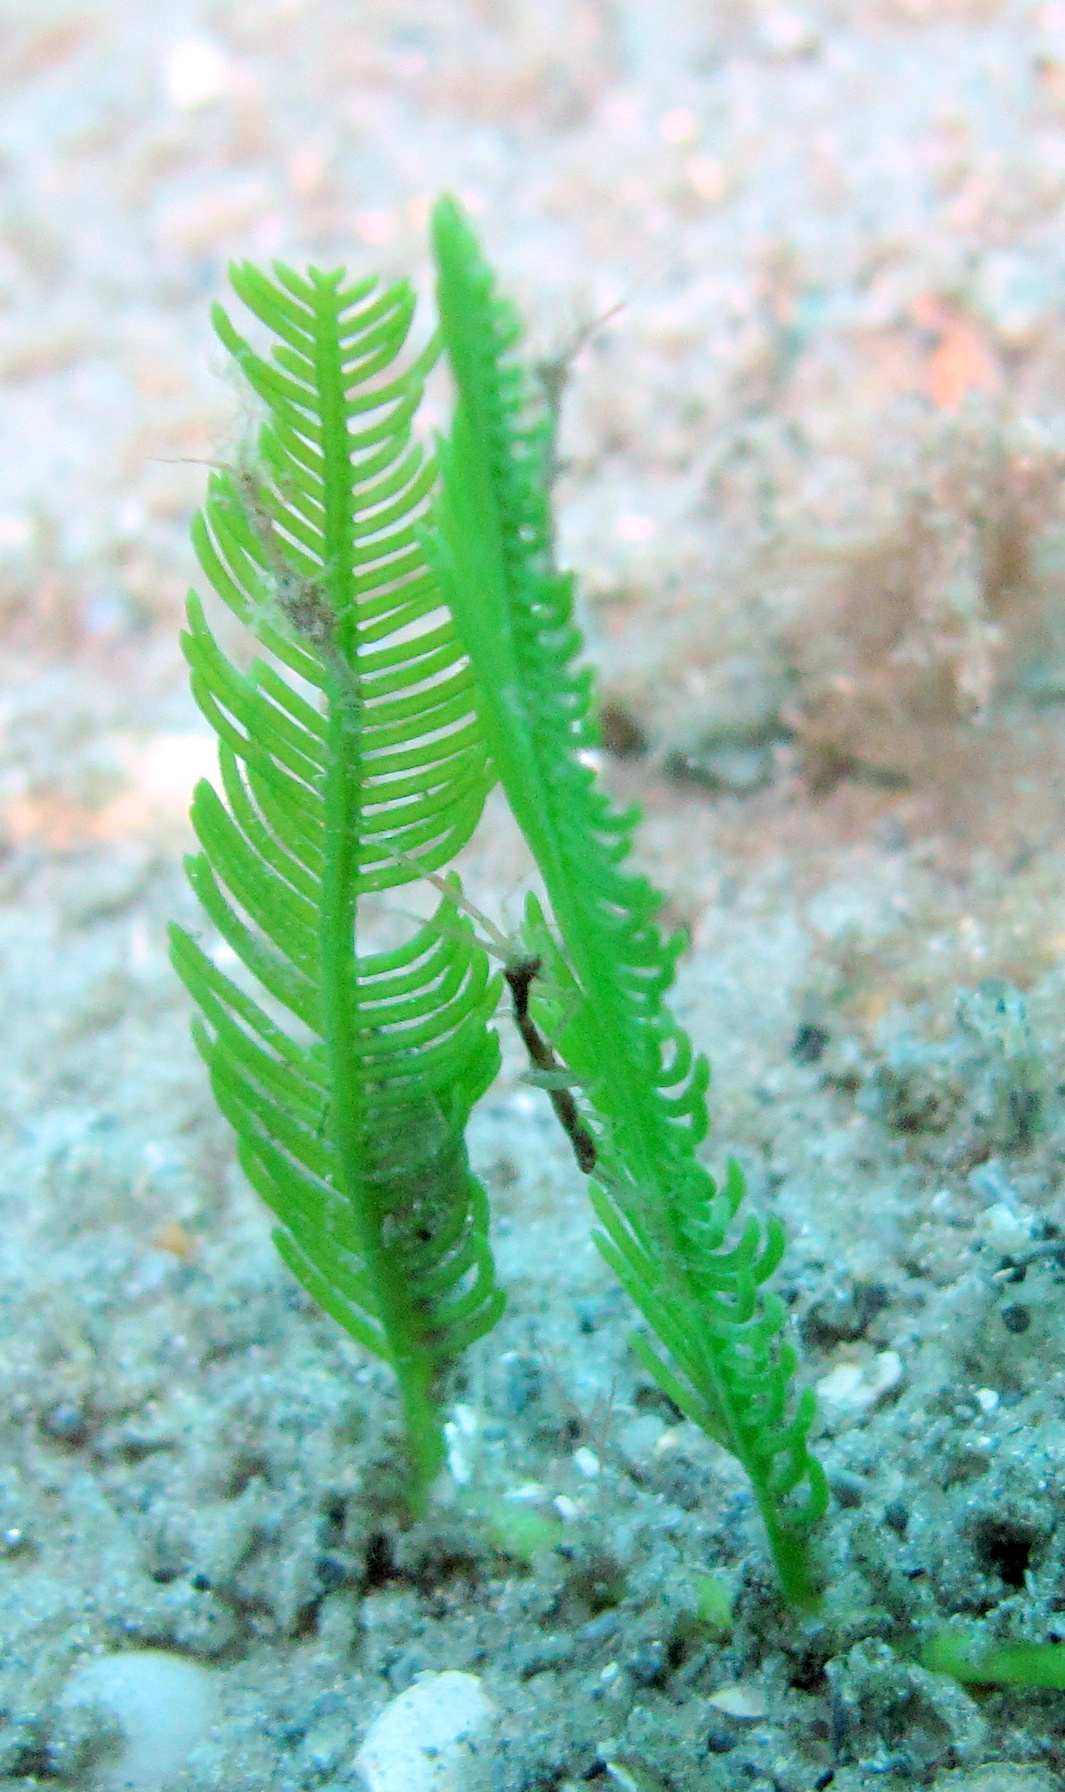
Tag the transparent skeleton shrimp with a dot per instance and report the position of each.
(553, 372)
(299, 596)
(520, 968)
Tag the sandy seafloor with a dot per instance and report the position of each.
(811, 488)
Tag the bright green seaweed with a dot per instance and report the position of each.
(420, 644)
(347, 1077)
(664, 1222)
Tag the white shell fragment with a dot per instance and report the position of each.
(855, 1387)
(745, 1698)
(424, 1739)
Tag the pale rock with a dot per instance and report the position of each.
(855, 1387)
(164, 1705)
(427, 1739)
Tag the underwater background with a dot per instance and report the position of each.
(805, 267)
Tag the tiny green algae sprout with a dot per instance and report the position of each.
(1003, 1664)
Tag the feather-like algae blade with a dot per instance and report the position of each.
(347, 1076)
(663, 1221)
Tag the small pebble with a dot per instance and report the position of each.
(66, 1423)
(422, 1741)
(854, 1387)
(719, 1739)
(163, 1703)
(648, 1663)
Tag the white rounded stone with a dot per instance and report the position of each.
(163, 1703)
(424, 1740)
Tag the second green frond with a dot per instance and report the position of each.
(665, 1226)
